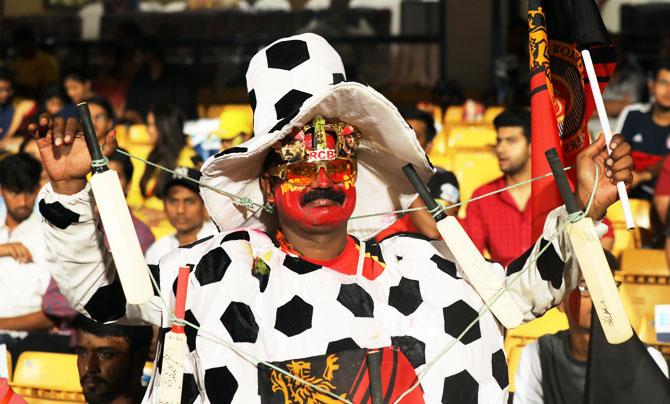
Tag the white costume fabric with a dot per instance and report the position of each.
(420, 303)
(168, 243)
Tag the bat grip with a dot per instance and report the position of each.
(423, 192)
(180, 297)
(90, 137)
(562, 180)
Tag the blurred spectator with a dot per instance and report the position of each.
(626, 84)
(110, 82)
(54, 101)
(647, 128)
(102, 115)
(511, 69)
(77, 84)
(170, 149)
(235, 127)
(501, 223)
(156, 82)
(124, 168)
(110, 360)
(552, 369)
(186, 212)
(6, 107)
(443, 185)
(33, 69)
(22, 270)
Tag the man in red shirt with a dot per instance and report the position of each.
(501, 223)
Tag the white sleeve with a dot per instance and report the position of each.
(659, 359)
(538, 283)
(79, 261)
(528, 379)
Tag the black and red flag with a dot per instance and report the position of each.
(561, 99)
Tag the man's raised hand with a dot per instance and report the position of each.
(64, 153)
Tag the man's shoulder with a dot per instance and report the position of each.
(490, 186)
(633, 112)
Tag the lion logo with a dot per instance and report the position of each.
(296, 392)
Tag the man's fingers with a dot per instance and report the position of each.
(57, 131)
(623, 175)
(110, 144)
(70, 130)
(619, 147)
(594, 148)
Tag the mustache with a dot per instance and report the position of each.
(92, 378)
(337, 196)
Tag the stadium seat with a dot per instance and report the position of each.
(471, 136)
(491, 113)
(551, 322)
(623, 238)
(473, 169)
(453, 115)
(215, 111)
(137, 134)
(644, 262)
(44, 377)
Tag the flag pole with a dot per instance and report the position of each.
(607, 131)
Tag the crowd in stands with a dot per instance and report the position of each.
(136, 86)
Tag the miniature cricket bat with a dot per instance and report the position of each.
(124, 245)
(477, 271)
(592, 262)
(175, 348)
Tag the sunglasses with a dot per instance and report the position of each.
(302, 174)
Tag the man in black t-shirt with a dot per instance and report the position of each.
(647, 128)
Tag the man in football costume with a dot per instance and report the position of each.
(297, 286)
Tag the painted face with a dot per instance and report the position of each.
(319, 191)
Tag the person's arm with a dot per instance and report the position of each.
(31, 322)
(423, 220)
(528, 378)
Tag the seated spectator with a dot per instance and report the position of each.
(646, 128)
(54, 101)
(552, 369)
(6, 106)
(124, 168)
(110, 360)
(102, 115)
(661, 202)
(501, 223)
(443, 185)
(33, 70)
(170, 149)
(158, 82)
(77, 84)
(24, 275)
(186, 211)
(110, 82)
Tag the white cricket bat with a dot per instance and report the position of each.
(477, 271)
(175, 348)
(123, 242)
(592, 262)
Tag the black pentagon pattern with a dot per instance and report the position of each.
(406, 297)
(189, 389)
(290, 103)
(212, 266)
(286, 55)
(283, 122)
(191, 333)
(196, 242)
(231, 150)
(457, 317)
(262, 279)
(156, 274)
(338, 78)
(517, 265)
(499, 368)
(414, 350)
(294, 317)
(460, 388)
(236, 235)
(300, 266)
(57, 214)
(108, 303)
(341, 345)
(252, 100)
(445, 266)
(220, 385)
(240, 322)
(550, 266)
(356, 299)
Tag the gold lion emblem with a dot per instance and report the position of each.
(296, 392)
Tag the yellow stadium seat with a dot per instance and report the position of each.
(439, 144)
(44, 377)
(121, 135)
(453, 115)
(623, 238)
(137, 134)
(644, 262)
(473, 169)
(491, 113)
(551, 322)
(471, 136)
